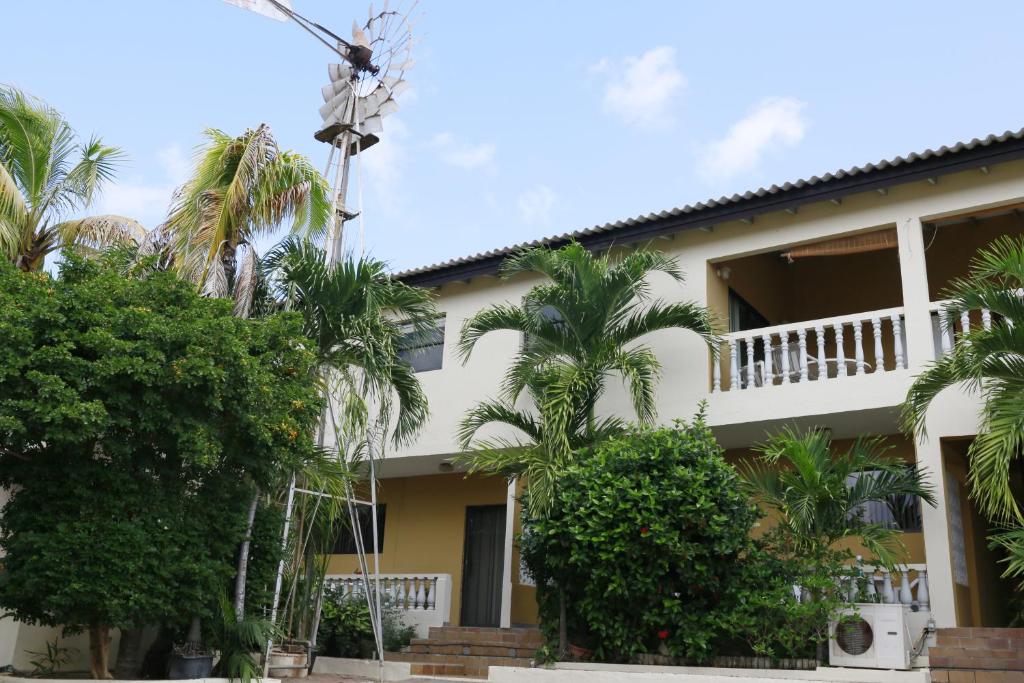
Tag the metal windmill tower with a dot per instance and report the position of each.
(362, 90)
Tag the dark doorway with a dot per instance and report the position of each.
(482, 563)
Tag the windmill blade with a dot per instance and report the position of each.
(339, 72)
(359, 37)
(331, 90)
(389, 107)
(371, 126)
(264, 7)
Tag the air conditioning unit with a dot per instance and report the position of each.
(879, 636)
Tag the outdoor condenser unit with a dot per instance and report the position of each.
(880, 636)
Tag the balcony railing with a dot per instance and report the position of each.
(949, 326)
(811, 351)
(424, 600)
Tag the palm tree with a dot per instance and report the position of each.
(819, 495)
(46, 175)
(990, 361)
(579, 328)
(357, 318)
(242, 188)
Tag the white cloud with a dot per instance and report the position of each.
(535, 205)
(640, 89)
(775, 122)
(147, 202)
(462, 155)
(384, 164)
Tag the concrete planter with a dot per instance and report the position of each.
(289, 664)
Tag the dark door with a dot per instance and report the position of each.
(483, 557)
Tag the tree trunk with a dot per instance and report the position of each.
(129, 654)
(563, 626)
(99, 641)
(243, 559)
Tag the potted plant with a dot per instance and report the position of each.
(190, 660)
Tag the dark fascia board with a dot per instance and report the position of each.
(746, 208)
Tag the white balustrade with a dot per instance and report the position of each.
(424, 599)
(953, 326)
(879, 583)
(780, 354)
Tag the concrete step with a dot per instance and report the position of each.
(475, 634)
(481, 649)
(473, 665)
(991, 638)
(438, 670)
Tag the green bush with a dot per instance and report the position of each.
(345, 629)
(649, 537)
(344, 626)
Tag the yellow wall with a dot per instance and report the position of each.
(425, 526)
(983, 601)
(524, 598)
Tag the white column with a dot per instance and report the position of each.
(917, 323)
(506, 570)
(935, 524)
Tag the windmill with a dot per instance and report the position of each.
(361, 92)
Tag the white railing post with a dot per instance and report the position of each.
(769, 371)
(944, 330)
(922, 589)
(801, 335)
(421, 597)
(819, 332)
(750, 362)
(858, 346)
(840, 351)
(876, 329)
(734, 366)
(965, 323)
(986, 319)
(432, 593)
(897, 335)
(784, 356)
(716, 369)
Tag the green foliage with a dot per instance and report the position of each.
(238, 643)
(649, 536)
(344, 626)
(583, 325)
(135, 416)
(395, 632)
(807, 484)
(51, 660)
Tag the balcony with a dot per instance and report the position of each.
(827, 349)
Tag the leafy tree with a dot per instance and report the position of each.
(649, 534)
(580, 327)
(131, 414)
(242, 188)
(46, 175)
(357, 318)
(819, 495)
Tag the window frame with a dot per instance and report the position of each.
(409, 353)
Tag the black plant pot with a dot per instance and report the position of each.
(182, 667)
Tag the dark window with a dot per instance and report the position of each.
(901, 512)
(346, 543)
(743, 316)
(423, 350)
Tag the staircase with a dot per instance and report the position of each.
(468, 651)
(978, 655)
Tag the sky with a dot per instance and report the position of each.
(527, 119)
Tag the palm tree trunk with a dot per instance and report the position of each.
(243, 559)
(99, 642)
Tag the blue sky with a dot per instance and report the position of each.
(533, 118)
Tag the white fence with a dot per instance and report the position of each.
(811, 351)
(424, 599)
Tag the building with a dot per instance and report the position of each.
(831, 290)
